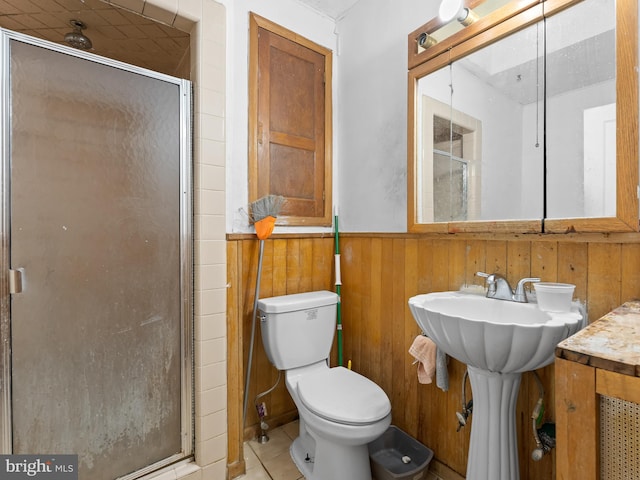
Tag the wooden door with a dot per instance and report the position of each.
(292, 126)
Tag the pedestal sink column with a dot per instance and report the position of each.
(493, 451)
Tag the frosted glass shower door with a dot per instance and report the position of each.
(99, 229)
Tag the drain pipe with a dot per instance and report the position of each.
(467, 408)
(544, 436)
(261, 408)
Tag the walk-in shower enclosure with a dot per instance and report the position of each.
(96, 279)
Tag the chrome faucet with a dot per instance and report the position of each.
(498, 287)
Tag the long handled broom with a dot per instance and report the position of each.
(262, 213)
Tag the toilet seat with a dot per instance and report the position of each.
(343, 396)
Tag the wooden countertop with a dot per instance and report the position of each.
(610, 343)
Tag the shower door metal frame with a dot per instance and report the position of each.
(186, 241)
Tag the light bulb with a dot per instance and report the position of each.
(450, 9)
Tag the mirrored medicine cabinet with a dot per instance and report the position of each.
(525, 120)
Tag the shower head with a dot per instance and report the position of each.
(76, 38)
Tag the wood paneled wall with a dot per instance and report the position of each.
(379, 274)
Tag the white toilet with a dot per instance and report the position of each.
(340, 410)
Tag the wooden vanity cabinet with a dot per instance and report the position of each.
(597, 399)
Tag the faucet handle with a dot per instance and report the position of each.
(490, 277)
(520, 295)
(490, 281)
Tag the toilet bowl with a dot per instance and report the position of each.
(340, 410)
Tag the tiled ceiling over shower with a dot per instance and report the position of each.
(125, 34)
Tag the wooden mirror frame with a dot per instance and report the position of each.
(504, 21)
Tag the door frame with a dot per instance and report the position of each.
(186, 241)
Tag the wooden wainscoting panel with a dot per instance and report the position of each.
(518, 260)
(440, 262)
(496, 261)
(279, 267)
(363, 306)
(351, 279)
(290, 265)
(396, 329)
(604, 278)
(457, 263)
(424, 423)
(322, 264)
(385, 375)
(411, 329)
(380, 272)
(573, 267)
(376, 324)
(476, 253)
(235, 375)
(544, 261)
(630, 271)
(425, 265)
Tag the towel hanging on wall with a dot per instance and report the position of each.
(431, 361)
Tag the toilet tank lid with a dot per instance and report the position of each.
(297, 301)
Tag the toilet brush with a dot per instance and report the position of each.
(262, 214)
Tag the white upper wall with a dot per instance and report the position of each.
(369, 104)
(291, 15)
(372, 112)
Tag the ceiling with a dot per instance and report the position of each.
(114, 32)
(119, 33)
(332, 8)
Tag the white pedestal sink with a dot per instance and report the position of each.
(498, 340)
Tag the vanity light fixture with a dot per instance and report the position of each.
(425, 40)
(450, 9)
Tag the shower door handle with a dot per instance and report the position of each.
(15, 280)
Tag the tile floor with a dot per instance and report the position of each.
(271, 460)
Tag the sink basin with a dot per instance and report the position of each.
(490, 334)
(498, 340)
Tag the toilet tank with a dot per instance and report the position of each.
(297, 330)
